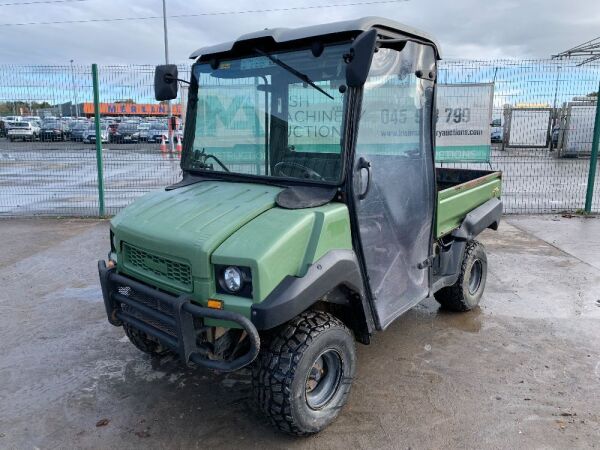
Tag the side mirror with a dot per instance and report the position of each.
(165, 82)
(359, 58)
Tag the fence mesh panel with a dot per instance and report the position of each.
(536, 179)
(49, 166)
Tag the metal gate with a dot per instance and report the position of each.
(527, 127)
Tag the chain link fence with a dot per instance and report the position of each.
(542, 117)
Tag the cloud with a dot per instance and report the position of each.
(465, 28)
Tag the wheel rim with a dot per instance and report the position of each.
(475, 276)
(323, 379)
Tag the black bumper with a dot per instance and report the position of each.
(173, 321)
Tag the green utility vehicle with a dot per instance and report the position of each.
(310, 213)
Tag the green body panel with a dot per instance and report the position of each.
(227, 223)
(216, 222)
(456, 202)
(186, 225)
(285, 242)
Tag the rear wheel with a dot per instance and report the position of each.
(466, 293)
(142, 342)
(302, 378)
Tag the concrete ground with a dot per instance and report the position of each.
(521, 371)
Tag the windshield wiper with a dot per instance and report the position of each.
(290, 69)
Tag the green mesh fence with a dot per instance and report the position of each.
(541, 116)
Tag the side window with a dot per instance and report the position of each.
(393, 113)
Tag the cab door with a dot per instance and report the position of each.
(394, 177)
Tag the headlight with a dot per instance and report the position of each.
(232, 278)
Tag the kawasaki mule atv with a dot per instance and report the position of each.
(309, 216)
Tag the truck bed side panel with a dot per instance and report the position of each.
(455, 202)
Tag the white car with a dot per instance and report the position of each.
(28, 131)
(89, 136)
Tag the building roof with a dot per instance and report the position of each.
(280, 35)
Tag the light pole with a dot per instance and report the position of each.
(74, 90)
(170, 113)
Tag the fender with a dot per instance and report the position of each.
(482, 217)
(296, 294)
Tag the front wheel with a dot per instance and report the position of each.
(143, 342)
(466, 293)
(302, 378)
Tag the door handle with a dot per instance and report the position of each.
(362, 165)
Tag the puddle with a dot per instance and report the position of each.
(469, 321)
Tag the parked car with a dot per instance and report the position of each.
(496, 136)
(27, 131)
(157, 131)
(555, 135)
(78, 130)
(497, 131)
(125, 132)
(144, 130)
(112, 128)
(3, 124)
(89, 136)
(53, 130)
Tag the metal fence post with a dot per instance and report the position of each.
(593, 157)
(98, 140)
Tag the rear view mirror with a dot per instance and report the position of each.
(165, 82)
(359, 58)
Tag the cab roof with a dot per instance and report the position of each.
(282, 35)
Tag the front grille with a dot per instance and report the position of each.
(150, 302)
(166, 270)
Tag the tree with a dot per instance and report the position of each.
(18, 106)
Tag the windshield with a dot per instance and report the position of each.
(271, 114)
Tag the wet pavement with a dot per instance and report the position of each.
(521, 371)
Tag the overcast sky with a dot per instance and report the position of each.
(482, 29)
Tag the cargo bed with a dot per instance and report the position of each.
(459, 192)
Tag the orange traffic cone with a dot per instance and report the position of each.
(179, 147)
(163, 144)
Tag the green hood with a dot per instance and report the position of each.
(187, 224)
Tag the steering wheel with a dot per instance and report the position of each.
(307, 172)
